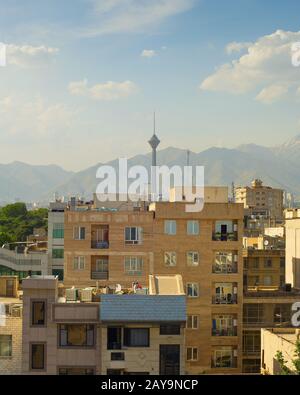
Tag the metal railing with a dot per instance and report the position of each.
(99, 275)
(20, 261)
(232, 236)
(225, 332)
(224, 299)
(226, 268)
(100, 244)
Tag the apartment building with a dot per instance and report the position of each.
(22, 264)
(292, 229)
(10, 326)
(206, 249)
(263, 206)
(264, 307)
(274, 340)
(264, 267)
(56, 221)
(105, 246)
(123, 332)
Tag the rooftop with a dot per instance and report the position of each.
(143, 308)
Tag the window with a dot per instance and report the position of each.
(38, 313)
(251, 342)
(101, 265)
(136, 337)
(255, 263)
(253, 313)
(5, 345)
(79, 233)
(192, 258)
(192, 354)
(268, 280)
(282, 280)
(193, 228)
(76, 371)
(170, 227)
(224, 358)
(282, 313)
(192, 290)
(170, 329)
(38, 356)
(282, 262)
(72, 335)
(170, 258)
(58, 231)
(114, 338)
(192, 322)
(79, 263)
(57, 253)
(133, 235)
(117, 356)
(268, 262)
(134, 266)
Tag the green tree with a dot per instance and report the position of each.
(284, 370)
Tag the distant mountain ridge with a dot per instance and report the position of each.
(276, 166)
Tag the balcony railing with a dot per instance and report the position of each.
(232, 236)
(99, 275)
(226, 268)
(224, 363)
(224, 299)
(225, 332)
(252, 352)
(100, 244)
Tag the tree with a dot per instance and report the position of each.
(296, 362)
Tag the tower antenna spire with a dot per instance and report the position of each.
(154, 123)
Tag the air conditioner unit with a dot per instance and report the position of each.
(86, 295)
(71, 294)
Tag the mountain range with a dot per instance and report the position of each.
(276, 166)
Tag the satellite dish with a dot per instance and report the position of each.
(266, 242)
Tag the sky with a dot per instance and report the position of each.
(83, 77)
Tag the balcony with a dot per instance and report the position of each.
(225, 268)
(225, 332)
(226, 236)
(225, 363)
(224, 299)
(99, 244)
(97, 275)
(100, 237)
(100, 268)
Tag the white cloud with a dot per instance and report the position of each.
(116, 16)
(28, 55)
(266, 68)
(107, 91)
(237, 47)
(34, 118)
(148, 53)
(271, 94)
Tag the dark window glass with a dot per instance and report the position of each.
(38, 356)
(170, 329)
(136, 337)
(38, 313)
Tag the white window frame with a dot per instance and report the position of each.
(193, 350)
(170, 258)
(138, 238)
(192, 255)
(193, 233)
(193, 318)
(170, 227)
(136, 266)
(79, 263)
(194, 287)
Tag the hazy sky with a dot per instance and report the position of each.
(83, 76)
